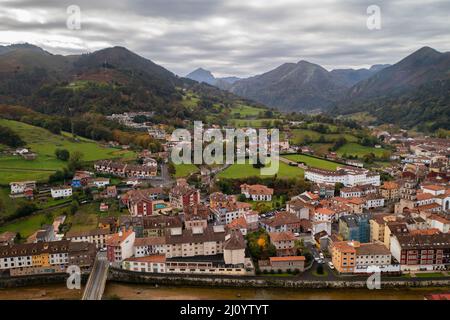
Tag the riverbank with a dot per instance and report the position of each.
(124, 276)
(147, 292)
(124, 291)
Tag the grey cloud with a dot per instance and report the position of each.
(232, 37)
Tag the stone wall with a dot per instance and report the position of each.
(257, 282)
(35, 280)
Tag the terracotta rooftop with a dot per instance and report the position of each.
(149, 241)
(283, 259)
(234, 241)
(372, 249)
(152, 258)
(258, 189)
(281, 236)
(117, 238)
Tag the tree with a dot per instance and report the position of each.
(74, 207)
(337, 188)
(10, 138)
(62, 154)
(75, 161)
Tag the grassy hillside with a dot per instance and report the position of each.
(246, 111)
(44, 143)
(184, 170)
(300, 135)
(355, 149)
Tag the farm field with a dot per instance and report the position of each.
(239, 171)
(254, 123)
(358, 150)
(321, 149)
(245, 111)
(190, 101)
(44, 143)
(313, 162)
(27, 226)
(299, 136)
(184, 170)
(8, 205)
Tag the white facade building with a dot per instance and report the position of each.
(347, 176)
(61, 192)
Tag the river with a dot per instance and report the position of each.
(147, 292)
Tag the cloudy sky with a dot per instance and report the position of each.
(233, 37)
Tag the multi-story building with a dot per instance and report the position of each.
(377, 226)
(160, 225)
(373, 201)
(149, 263)
(257, 192)
(284, 264)
(22, 188)
(358, 191)
(299, 208)
(439, 222)
(145, 202)
(96, 236)
(282, 222)
(369, 255)
(183, 195)
(284, 242)
(195, 242)
(356, 257)
(390, 191)
(119, 246)
(343, 255)
(225, 213)
(61, 192)
(416, 252)
(125, 170)
(45, 257)
(355, 227)
(348, 176)
(149, 246)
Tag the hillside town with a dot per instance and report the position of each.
(348, 221)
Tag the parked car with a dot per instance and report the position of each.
(331, 265)
(321, 255)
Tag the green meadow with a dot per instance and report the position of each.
(241, 171)
(44, 143)
(184, 170)
(358, 150)
(313, 162)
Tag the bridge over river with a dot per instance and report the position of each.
(95, 285)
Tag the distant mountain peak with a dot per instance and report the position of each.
(202, 75)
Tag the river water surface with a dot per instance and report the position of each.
(147, 292)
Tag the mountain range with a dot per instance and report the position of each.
(412, 92)
(301, 86)
(202, 75)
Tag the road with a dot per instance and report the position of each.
(97, 279)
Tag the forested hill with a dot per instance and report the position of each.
(112, 80)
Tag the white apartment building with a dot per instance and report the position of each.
(61, 192)
(20, 187)
(347, 176)
(149, 246)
